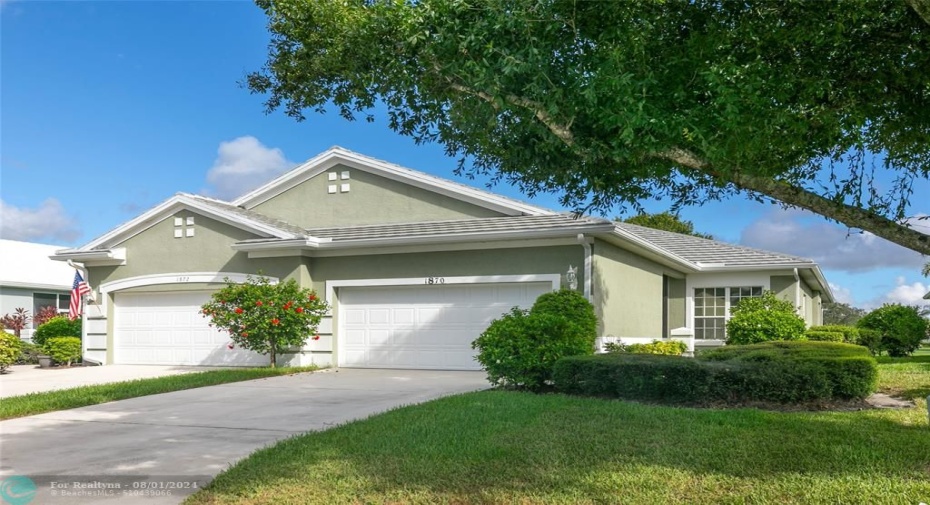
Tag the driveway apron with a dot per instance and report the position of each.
(159, 449)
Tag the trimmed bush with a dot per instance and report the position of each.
(667, 347)
(824, 336)
(901, 327)
(570, 304)
(764, 319)
(850, 333)
(9, 349)
(59, 326)
(64, 349)
(520, 348)
(780, 372)
(871, 339)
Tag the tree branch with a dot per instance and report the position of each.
(561, 131)
(921, 7)
(795, 196)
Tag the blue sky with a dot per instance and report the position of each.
(108, 108)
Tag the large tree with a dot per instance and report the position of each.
(821, 105)
(668, 222)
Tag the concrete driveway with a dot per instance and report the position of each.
(25, 379)
(181, 440)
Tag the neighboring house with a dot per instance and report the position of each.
(31, 280)
(414, 266)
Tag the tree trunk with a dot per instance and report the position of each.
(274, 354)
(922, 8)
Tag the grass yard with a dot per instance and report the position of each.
(38, 403)
(509, 447)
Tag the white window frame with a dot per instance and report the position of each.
(727, 306)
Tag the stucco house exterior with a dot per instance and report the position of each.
(414, 267)
(31, 280)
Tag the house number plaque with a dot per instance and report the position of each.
(435, 280)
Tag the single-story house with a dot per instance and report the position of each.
(414, 267)
(29, 279)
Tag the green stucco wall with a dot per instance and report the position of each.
(540, 260)
(784, 286)
(156, 251)
(627, 293)
(676, 304)
(371, 199)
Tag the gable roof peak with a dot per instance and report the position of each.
(338, 155)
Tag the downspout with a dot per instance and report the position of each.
(588, 265)
(797, 293)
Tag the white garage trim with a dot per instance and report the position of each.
(552, 280)
(178, 278)
(555, 279)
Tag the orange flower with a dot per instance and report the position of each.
(275, 321)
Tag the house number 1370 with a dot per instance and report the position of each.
(435, 280)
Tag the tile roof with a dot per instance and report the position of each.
(703, 251)
(510, 224)
(248, 214)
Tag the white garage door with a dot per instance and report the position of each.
(423, 327)
(168, 329)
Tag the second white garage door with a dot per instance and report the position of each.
(168, 329)
(423, 327)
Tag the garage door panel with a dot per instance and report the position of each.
(168, 329)
(427, 327)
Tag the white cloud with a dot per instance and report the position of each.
(242, 164)
(842, 295)
(47, 222)
(804, 234)
(904, 293)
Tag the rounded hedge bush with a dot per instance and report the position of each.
(64, 349)
(824, 336)
(850, 333)
(59, 326)
(764, 319)
(901, 327)
(520, 348)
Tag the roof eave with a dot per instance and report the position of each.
(322, 243)
(96, 257)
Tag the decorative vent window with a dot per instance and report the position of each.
(712, 309)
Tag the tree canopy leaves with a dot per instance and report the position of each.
(668, 222)
(610, 103)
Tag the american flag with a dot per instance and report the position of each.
(78, 290)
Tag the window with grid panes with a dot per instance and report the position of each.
(712, 309)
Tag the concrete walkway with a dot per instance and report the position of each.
(188, 437)
(25, 379)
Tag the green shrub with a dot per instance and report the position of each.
(850, 333)
(871, 339)
(64, 349)
(901, 327)
(781, 372)
(570, 304)
(824, 336)
(9, 349)
(764, 319)
(28, 354)
(667, 347)
(59, 326)
(520, 348)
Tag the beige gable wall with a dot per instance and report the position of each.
(628, 294)
(371, 199)
(156, 251)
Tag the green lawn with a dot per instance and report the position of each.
(508, 447)
(37, 403)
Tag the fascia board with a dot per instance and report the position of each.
(339, 156)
